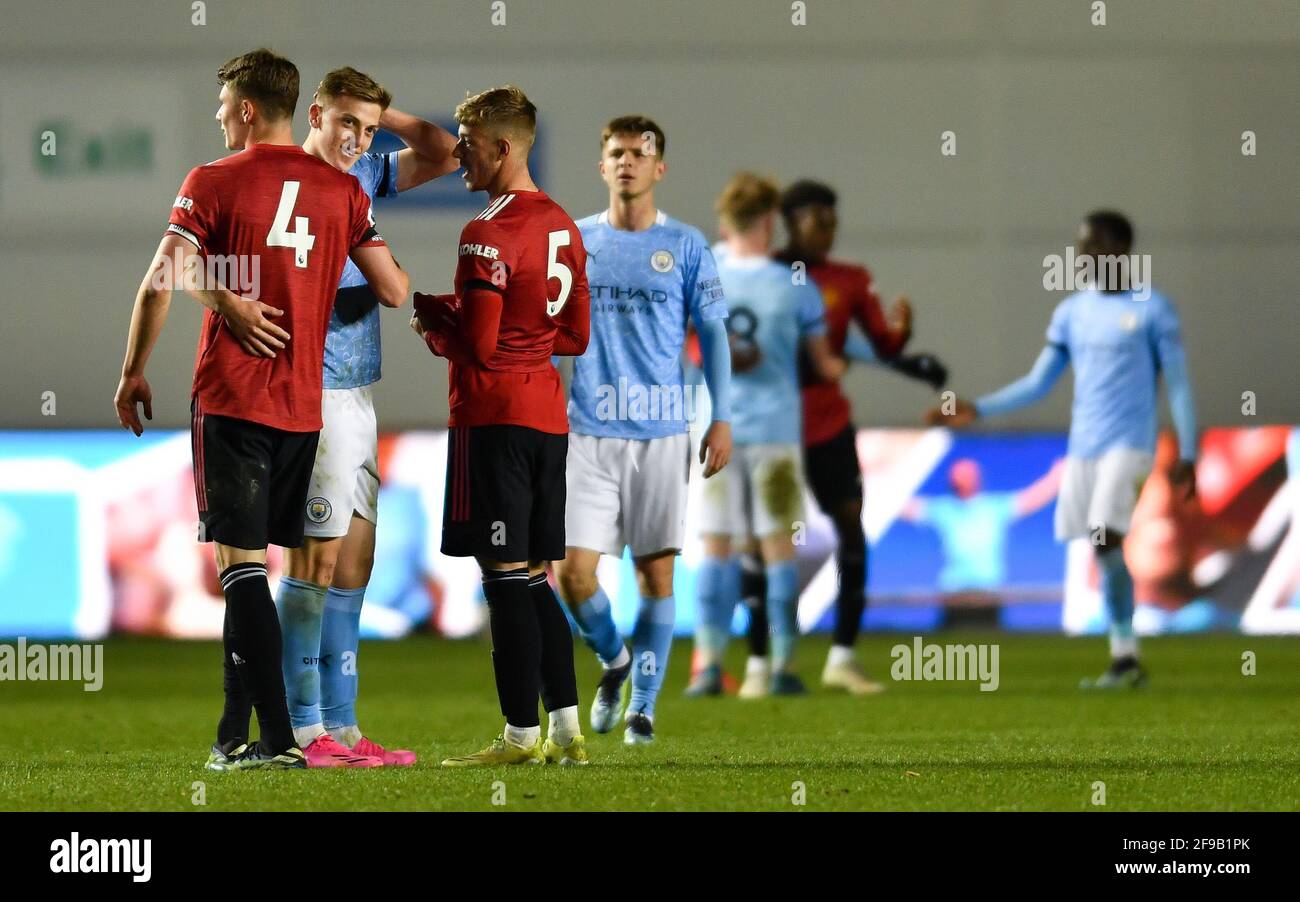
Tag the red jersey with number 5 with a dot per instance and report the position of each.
(526, 248)
(275, 224)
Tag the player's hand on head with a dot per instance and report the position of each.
(133, 390)
(250, 323)
(1182, 475)
(715, 448)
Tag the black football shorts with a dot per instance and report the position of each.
(505, 494)
(250, 480)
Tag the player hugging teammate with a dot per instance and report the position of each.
(320, 596)
(256, 399)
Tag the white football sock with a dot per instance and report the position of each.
(755, 664)
(523, 737)
(564, 725)
(349, 735)
(840, 656)
(1123, 646)
(305, 736)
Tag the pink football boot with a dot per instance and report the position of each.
(324, 751)
(390, 757)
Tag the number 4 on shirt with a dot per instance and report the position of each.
(299, 239)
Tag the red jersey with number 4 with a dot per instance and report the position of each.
(848, 295)
(285, 221)
(526, 248)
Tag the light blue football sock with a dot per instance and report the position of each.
(1117, 593)
(717, 590)
(299, 605)
(652, 640)
(340, 638)
(783, 611)
(596, 626)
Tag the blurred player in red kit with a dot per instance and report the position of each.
(830, 447)
(256, 399)
(521, 296)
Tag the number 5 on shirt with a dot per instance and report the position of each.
(557, 270)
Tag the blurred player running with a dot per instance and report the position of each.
(1119, 343)
(629, 450)
(521, 297)
(257, 384)
(319, 598)
(758, 500)
(829, 436)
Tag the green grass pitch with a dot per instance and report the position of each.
(1203, 736)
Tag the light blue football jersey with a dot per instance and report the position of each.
(1116, 343)
(770, 309)
(644, 287)
(352, 342)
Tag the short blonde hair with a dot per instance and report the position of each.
(348, 82)
(747, 198)
(505, 108)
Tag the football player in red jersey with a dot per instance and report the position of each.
(521, 296)
(830, 455)
(291, 219)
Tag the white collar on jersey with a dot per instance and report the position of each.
(661, 218)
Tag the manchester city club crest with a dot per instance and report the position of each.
(318, 510)
(662, 261)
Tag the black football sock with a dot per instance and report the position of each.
(753, 591)
(253, 645)
(516, 644)
(232, 731)
(559, 681)
(851, 558)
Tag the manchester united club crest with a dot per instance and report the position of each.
(662, 261)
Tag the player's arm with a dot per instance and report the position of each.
(371, 254)
(152, 301)
(247, 319)
(1172, 361)
(715, 361)
(889, 334)
(1028, 389)
(387, 280)
(573, 322)
(826, 364)
(427, 154)
(473, 339)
